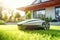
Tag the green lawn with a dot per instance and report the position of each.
(11, 32)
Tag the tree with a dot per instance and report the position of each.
(0, 13)
(17, 16)
(11, 15)
(5, 17)
(28, 14)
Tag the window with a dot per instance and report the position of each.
(34, 14)
(44, 0)
(37, 1)
(39, 14)
(57, 13)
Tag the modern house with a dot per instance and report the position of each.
(44, 8)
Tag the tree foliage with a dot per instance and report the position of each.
(5, 17)
(1, 13)
(28, 15)
(17, 15)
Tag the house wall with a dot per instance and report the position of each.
(50, 12)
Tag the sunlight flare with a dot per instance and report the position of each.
(16, 3)
(13, 4)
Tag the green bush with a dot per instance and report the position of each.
(1, 22)
(47, 19)
(54, 20)
(28, 15)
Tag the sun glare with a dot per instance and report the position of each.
(16, 3)
(13, 4)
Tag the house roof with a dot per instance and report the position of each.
(40, 5)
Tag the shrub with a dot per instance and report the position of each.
(50, 18)
(47, 19)
(54, 20)
(1, 22)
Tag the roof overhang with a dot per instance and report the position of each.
(40, 5)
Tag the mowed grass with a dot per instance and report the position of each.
(11, 32)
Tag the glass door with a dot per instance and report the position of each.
(58, 13)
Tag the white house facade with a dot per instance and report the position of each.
(47, 12)
(44, 8)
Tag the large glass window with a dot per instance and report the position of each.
(34, 14)
(44, 0)
(58, 13)
(39, 1)
(39, 14)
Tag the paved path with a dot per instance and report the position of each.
(11, 23)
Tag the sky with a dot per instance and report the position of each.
(13, 4)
